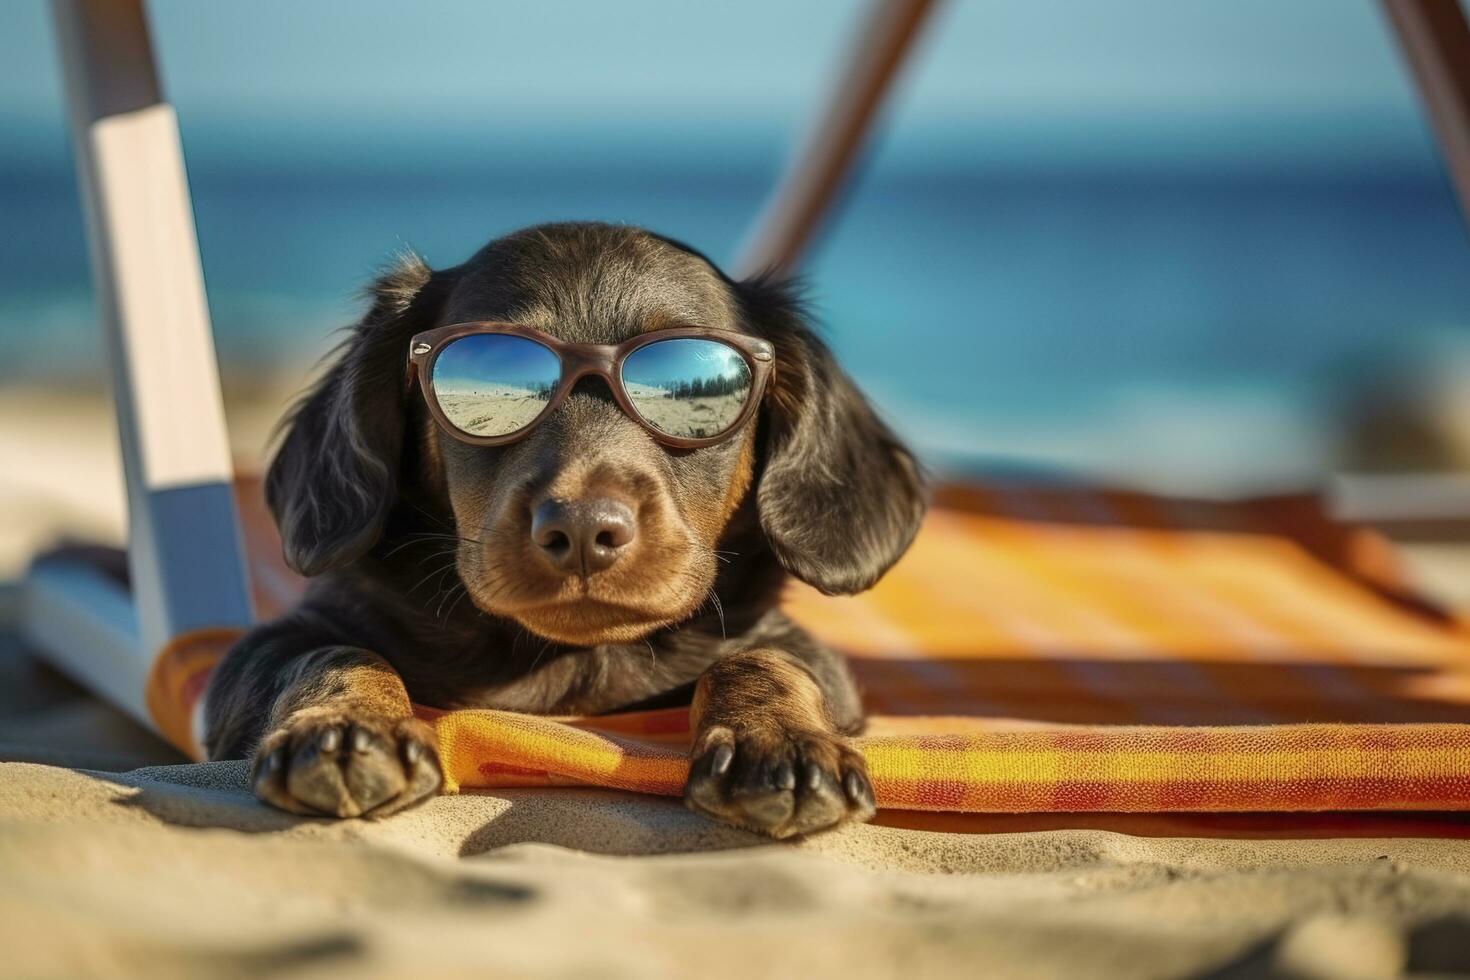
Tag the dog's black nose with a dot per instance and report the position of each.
(580, 537)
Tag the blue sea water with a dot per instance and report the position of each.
(1181, 319)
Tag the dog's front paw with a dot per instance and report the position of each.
(339, 762)
(777, 781)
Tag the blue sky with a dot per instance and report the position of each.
(685, 359)
(753, 60)
(515, 360)
(496, 359)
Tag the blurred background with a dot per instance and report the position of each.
(1199, 247)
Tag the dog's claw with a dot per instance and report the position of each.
(304, 766)
(860, 793)
(778, 782)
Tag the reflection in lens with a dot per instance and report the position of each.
(494, 384)
(687, 387)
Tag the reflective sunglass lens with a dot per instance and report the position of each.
(687, 387)
(494, 384)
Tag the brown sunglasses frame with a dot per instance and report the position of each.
(580, 360)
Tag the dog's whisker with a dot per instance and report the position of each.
(421, 538)
(439, 572)
(457, 591)
(720, 610)
(436, 554)
(540, 653)
(441, 595)
(463, 591)
(441, 592)
(396, 549)
(407, 543)
(437, 520)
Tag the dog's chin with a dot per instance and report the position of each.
(591, 612)
(579, 626)
(588, 622)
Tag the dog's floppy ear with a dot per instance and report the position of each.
(839, 497)
(334, 479)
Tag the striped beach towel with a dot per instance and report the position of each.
(1058, 649)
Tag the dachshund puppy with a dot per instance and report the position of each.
(587, 562)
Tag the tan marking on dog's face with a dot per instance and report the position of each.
(743, 478)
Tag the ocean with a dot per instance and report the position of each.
(1191, 324)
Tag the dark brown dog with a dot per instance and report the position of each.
(397, 523)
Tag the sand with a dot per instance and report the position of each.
(166, 871)
(688, 418)
(117, 861)
(112, 869)
(490, 410)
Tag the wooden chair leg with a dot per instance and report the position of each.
(1435, 40)
(814, 178)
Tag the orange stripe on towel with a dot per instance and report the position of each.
(176, 684)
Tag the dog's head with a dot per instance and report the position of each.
(831, 492)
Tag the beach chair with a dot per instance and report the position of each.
(186, 556)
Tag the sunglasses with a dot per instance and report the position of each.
(489, 384)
